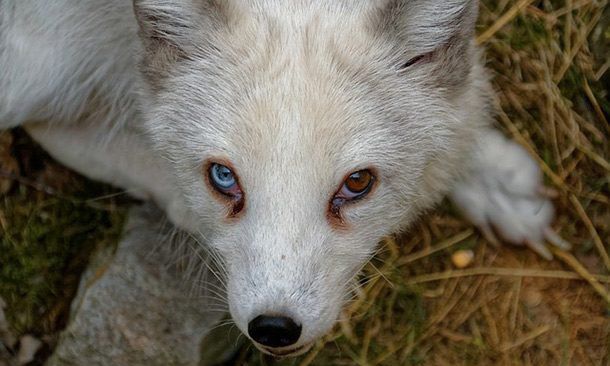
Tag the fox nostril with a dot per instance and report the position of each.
(274, 331)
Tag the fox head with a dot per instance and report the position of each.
(302, 132)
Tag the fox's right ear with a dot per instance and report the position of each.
(181, 24)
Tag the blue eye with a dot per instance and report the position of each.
(225, 181)
(222, 178)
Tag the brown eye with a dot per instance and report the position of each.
(356, 186)
(359, 182)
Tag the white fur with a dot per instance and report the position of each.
(295, 94)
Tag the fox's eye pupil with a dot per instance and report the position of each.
(222, 177)
(359, 182)
(355, 187)
(224, 174)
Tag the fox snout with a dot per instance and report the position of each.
(274, 331)
(284, 298)
(278, 332)
(277, 335)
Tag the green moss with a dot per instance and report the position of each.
(527, 31)
(45, 244)
(571, 84)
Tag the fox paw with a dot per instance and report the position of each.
(505, 195)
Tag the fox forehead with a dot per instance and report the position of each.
(301, 122)
(303, 88)
(304, 96)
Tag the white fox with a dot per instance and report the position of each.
(289, 136)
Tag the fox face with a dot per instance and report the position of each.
(300, 133)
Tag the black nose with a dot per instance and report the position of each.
(274, 331)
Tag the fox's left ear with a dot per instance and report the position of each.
(441, 30)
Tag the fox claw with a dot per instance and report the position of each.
(552, 237)
(540, 248)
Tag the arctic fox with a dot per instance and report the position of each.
(289, 136)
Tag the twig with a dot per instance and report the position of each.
(593, 280)
(532, 335)
(443, 245)
(502, 21)
(592, 231)
(505, 272)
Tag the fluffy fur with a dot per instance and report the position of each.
(295, 94)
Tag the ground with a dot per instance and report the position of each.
(508, 306)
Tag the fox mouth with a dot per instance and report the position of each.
(284, 353)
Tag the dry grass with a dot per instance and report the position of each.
(509, 306)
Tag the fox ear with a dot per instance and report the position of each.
(175, 30)
(440, 31)
(165, 23)
(426, 25)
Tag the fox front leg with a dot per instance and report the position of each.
(503, 191)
